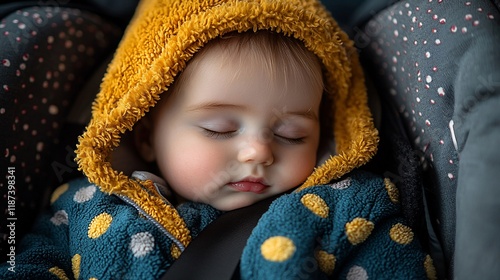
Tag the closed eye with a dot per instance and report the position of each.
(218, 134)
(288, 140)
(228, 134)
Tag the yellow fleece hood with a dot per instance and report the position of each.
(165, 34)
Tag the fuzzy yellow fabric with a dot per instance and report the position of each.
(165, 34)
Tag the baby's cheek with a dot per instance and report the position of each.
(299, 170)
(196, 174)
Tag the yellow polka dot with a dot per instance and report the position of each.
(316, 204)
(277, 249)
(175, 251)
(58, 272)
(99, 225)
(326, 262)
(93, 278)
(429, 268)
(75, 261)
(58, 192)
(358, 230)
(392, 190)
(401, 234)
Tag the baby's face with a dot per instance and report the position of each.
(230, 140)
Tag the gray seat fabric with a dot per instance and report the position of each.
(438, 61)
(46, 56)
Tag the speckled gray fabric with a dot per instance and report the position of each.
(438, 61)
(46, 55)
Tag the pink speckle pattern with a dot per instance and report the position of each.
(38, 86)
(419, 34)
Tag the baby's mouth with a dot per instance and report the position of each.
(255, 185)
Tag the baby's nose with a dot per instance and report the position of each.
(257, 151)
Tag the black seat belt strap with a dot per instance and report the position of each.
(215, 253)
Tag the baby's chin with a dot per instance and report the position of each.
(235, 202)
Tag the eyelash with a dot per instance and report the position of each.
(217, 134)
(291, 141)
(228, 134)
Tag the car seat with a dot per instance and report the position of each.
(433, 64)
(47, 54)
(436, 63)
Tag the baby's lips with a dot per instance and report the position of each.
(249, 186)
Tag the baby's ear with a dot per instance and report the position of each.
(143, 134)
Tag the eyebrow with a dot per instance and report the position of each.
(308, 114)
(214, 106)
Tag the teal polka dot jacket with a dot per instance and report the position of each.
(350, 229)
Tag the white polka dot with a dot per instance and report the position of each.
(440, 91)
(357, 273)
(344, 184)
(60, 217)
(427, 54)
(53, 110)
(84, 194)
(141, 244)
(428, 79)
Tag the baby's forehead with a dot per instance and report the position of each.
(261, 60)
(274, 54)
